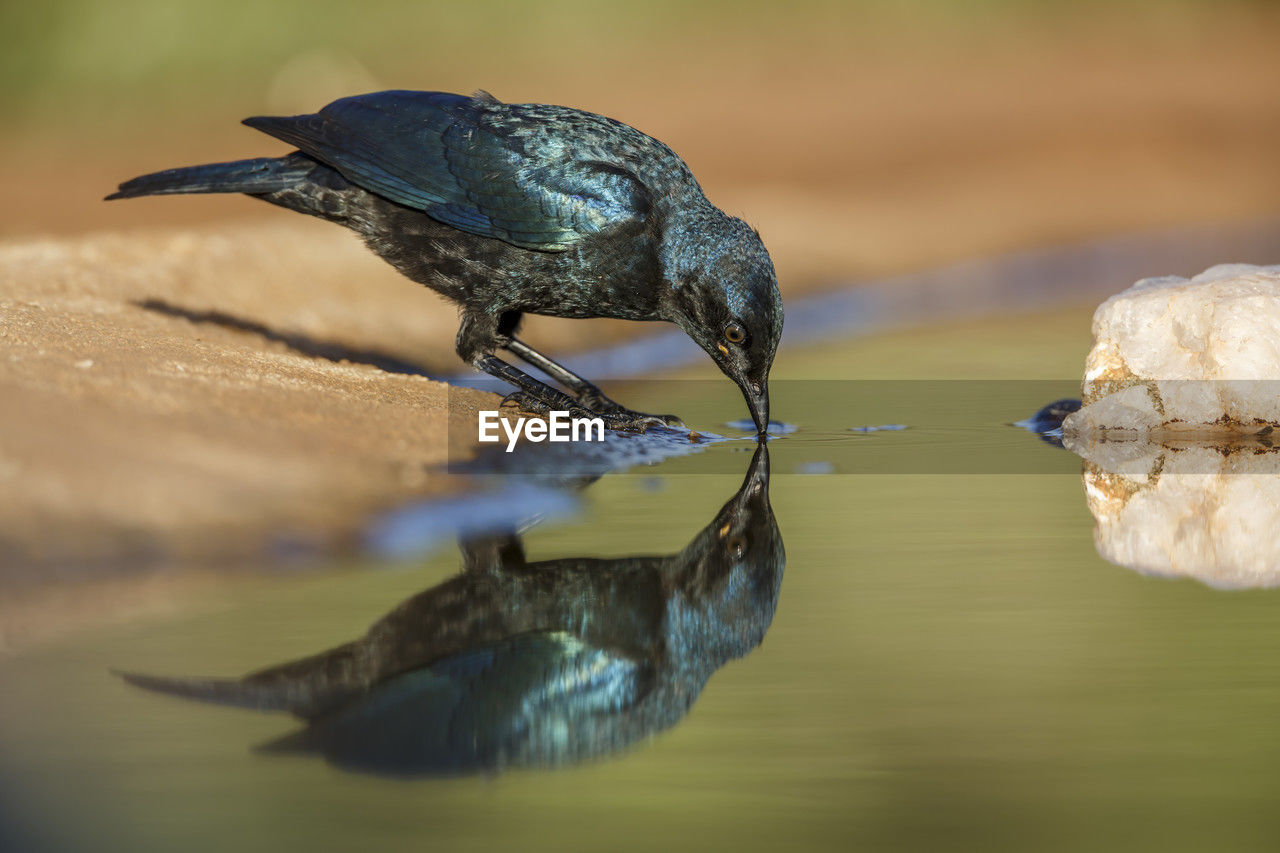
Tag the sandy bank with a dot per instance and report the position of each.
(169, 395)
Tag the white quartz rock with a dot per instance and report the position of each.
(1186, 509)
(1194, 356)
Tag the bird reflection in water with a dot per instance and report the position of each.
(529, 664)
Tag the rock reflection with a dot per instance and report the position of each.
(519, 664)
(1201, 510)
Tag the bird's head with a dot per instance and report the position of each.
(727, 580)
(723, 292)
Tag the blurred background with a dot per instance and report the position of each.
(859, 138)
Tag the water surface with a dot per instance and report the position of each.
(947, 662)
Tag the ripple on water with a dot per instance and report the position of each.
(775, 427)
(879, 428)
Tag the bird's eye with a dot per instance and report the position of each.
(737, 546)
(734, 333)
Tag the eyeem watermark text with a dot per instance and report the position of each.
(557, 427)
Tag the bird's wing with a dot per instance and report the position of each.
(530, 695)
(465, 162)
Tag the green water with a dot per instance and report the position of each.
(950, 666)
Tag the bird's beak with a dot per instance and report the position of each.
(758, 402)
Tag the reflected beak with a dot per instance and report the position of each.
(758, 473)
(752, 496)
(758, 402)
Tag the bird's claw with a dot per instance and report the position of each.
(629, 421)
(652, 420)
(626, 420)
(615, 417)
(525, 402)
(604, 407)
(534, 405)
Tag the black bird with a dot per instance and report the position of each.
(520, 664)
(510, 209)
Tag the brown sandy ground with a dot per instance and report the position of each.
(183, 394)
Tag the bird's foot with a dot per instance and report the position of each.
(535, 405)
(618, 418)
(629, 421)
(603, 406)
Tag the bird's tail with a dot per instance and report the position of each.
(260, 175)
(218, 691)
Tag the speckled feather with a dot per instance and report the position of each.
(533, 175)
